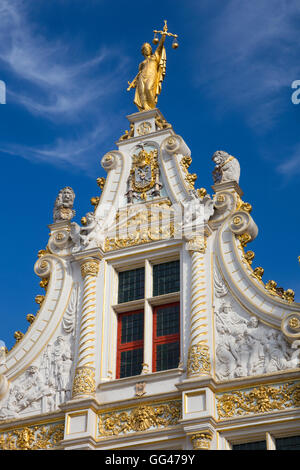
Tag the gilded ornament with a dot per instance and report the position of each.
(39, 299)
(249, 256)
(258, 272)
(33, 437)
(198, 360)
(294, 323)
(201, 192)
(84, 382)
(161, 123)
(90, 268)
(42, 253)
(30, 318)
(245, 238)
(237, 220)
(139, 419)
(201, 440)
(101, 182)
(95, 201)
(262, 399)
(18, 335)
(128, 134)
(189, 178)
(44, 281)
(271, 287)
(289, 295)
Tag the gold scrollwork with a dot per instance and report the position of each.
(84, 381)
(198, 360)
(140, 418)
(90, 268)
(262, 399)
(189, 178)
(32, 437)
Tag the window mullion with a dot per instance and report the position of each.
(147, 367)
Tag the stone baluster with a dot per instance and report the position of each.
(84, 380)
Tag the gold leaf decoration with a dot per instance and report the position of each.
(140, 418)
(262, 399)
(32, 437)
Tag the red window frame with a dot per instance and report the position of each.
(157, 340)
(138, 344)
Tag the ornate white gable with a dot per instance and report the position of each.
(234, 327)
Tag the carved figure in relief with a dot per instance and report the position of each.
(28, 392)
(83, 236)
(277, 355)
(247, 347)
(63, 207)
(41, 386)
(62, 360)
(227, 167)
(255, 339)
(226, 354)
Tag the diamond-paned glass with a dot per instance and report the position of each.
(167, 356)
(288, 443)
(131, 362)
(167, 321)
(131, 285)
(166, 278)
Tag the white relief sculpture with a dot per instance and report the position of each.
(247, 347)
(43, 386)
(26, 394)
(62, 359)
(90, 235)
(227, 167)
(196, 214)
(69, 318)
(63, 207)
(220, 287)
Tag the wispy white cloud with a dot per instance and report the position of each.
(251, 54)
(52, 84)
(291, 165)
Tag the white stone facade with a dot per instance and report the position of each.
(237, 378)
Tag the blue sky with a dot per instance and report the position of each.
(66, 64)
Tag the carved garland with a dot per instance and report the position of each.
(33, 437)
(262, 399)
(139, 419)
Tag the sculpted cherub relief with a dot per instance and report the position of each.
(91, 231)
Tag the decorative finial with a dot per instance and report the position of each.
(152, 71)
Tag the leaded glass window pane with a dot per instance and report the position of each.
(132, 327)
(131, 285)
(131, 362)
(167, 356)
(259, 445)
(166, 278)
(167, 322)
(288, 443)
